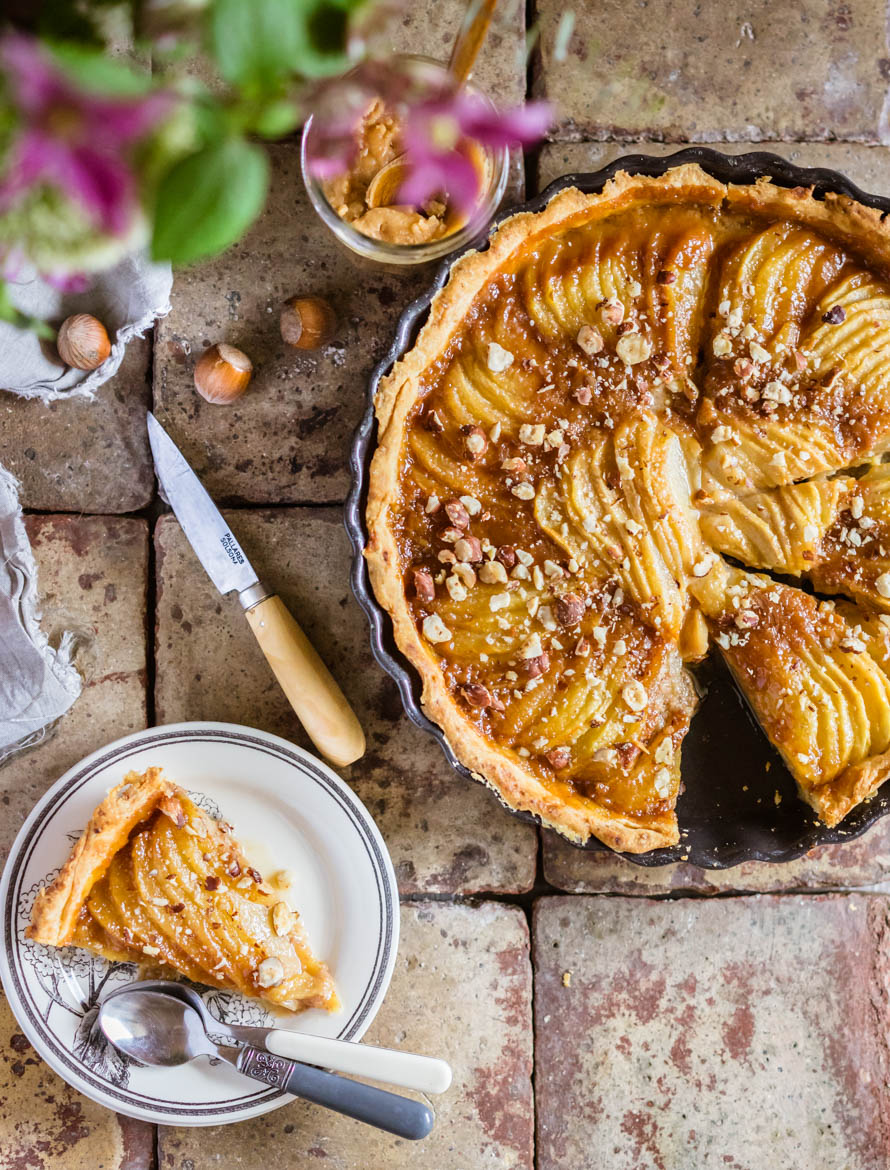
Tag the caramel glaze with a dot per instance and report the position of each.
(699, 291)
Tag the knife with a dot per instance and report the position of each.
(311, 690)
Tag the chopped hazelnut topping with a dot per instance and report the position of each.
(493, 573)
(569, 609)
(612, 311)
(466, 574)
(532, 434)
(457, 513)
(423, 586)
(634, 695)
(666, 276)
(589, 340)
(479, 696)
(515, 465)
(559, 758)
(722, 346)
(456, 589)
(507, 555)
(523, 491)
(836, 315)
(535, 667)
(758, 353)
(499, 359)
(468, 548)
(476, 441)
(882, 584)
(283, 918)
(435, 630)
(211, 882)
(633, 349)
(270, 972)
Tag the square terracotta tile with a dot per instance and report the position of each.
(45, 1125)
(462, 991)
(92, 577)
(445, 834)
(681, 71)
(742, 1032)
(80, 454)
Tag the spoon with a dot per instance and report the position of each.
(163, 1030)
(408, 1069)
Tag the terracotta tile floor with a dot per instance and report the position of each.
(666, 1029)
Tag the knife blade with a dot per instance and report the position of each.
(212, 541)
(308, 684)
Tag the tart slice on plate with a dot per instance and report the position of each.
(154, 880)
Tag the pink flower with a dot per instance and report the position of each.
(73, 140)
(434, 131)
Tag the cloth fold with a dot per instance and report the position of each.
(38, 683)
(127, 299)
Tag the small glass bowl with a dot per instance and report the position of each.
(384, 252)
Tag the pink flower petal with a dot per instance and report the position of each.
(33, 79)
(120, 122)
(523, 124)
(102, 183)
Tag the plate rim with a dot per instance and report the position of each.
(69, 1068)
(744, 167)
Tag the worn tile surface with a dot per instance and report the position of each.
(863, 862)
(430, 29)
(741, 1032)
(680, 69)
(92, 574)
(867, 166)
(83, 455)
(461, 990)
(45, 1125)
(445, 834)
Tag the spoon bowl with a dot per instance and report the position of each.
(155, 1028)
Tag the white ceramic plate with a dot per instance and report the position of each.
(289, 811)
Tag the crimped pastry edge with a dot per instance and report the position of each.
(54, 915)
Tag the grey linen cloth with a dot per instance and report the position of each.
(38, 683)
(127, 299)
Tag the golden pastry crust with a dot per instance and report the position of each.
(155, 881)
(841, 221)
(56, 907)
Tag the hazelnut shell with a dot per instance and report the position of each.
(223, 373)
(83, 342)
(307, 322)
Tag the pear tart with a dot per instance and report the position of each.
(153, 880)
(622, 390)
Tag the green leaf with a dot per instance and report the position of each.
(96, 72)
(257, 43)
(276, 119)
(208, 200)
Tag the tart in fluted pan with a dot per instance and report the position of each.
(155, 881)
(624, 390)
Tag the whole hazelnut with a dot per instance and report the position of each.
(307, 322)
(83, 342)
(222, 373)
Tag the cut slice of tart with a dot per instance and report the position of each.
(154, 880)
(815, 678)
